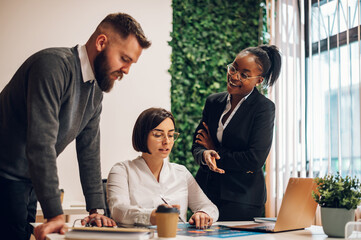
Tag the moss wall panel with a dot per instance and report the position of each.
(206, 37)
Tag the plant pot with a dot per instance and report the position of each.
(335, 219)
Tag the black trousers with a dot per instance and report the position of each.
(228, 210)
(233, 211)
(17, 209)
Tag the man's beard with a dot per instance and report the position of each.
(101, 69)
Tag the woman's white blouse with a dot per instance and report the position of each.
(133, 192)
(221, 126)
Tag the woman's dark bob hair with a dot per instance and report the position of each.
(145, 123)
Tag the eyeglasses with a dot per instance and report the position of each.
(240, 75)
(160, 136)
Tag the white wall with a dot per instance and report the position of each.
(29, 26)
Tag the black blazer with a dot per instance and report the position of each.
(245, 146)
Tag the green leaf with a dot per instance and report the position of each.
(337, 192)
(206, 36)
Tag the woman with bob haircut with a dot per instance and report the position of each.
(136, 187)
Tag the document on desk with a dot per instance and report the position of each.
(108, 233)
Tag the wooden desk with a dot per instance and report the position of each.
(68, 209)
(312, 233)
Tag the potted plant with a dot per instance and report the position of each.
(338, 198)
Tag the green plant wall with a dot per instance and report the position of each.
(206, 37)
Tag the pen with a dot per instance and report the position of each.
(161, 197)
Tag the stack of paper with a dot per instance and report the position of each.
(106, 233)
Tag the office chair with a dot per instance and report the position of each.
(106, 210)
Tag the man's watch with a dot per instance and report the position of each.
(98, 211)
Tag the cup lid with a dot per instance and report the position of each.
(165, 209)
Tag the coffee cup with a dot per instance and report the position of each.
(167, 222)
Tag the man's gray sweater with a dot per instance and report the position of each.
(44, 107)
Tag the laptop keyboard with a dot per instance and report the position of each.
(266, 227)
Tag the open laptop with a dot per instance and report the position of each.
(297, 210)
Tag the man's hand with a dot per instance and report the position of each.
(53, 225)
(210, 157)
(204, 138)
(99, 220)
(201, 220)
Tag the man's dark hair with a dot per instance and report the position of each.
(145, 123)
(124, 25)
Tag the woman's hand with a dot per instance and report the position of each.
(204, 138)
(210, 157)
(153, 219)
(201, 220)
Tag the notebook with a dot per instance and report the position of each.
(297, 211)
(105, 233)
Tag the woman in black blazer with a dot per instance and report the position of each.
(234, 137)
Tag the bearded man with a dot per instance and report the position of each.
(53, 98)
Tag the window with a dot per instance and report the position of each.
(333, 83)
